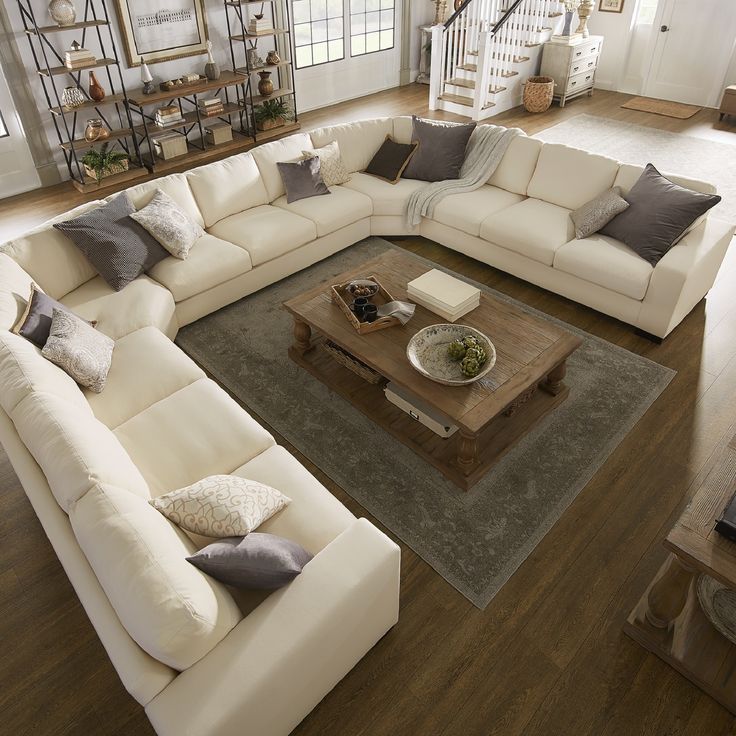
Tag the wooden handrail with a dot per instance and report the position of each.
(497, 27)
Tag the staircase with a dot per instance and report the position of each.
(483, 54)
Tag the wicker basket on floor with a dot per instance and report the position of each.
(538, 92)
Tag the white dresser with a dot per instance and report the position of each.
(572, 67)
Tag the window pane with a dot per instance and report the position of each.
(316, 21)
(372, 24)
(301, 11)
(303, 56)
(335, 28)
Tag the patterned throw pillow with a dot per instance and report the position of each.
(332, 167)
(169, 224)
(77, 347)
(221, 506)
(592, 216)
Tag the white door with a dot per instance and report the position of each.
(692, 44)
(17, 170)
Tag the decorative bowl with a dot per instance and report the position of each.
(363, 287)
(427, 352)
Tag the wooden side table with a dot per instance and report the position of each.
(668, 620)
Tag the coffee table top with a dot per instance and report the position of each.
(527, 347)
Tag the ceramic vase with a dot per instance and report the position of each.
(273, 58)
(72, 97)
(96, 91)
(265, 85)
(211, 68)
(567, 28)
(63, 12)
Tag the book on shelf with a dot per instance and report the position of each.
(259, 26)
(80, 61)
(209, 101)
(212, 112)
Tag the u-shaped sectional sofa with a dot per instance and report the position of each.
(201, 659)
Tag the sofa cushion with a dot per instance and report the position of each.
(388, 199)
(441, 151)
(269, 154)
(226, 187)
(358, 140)
(50, 258)
(569, 177)
(141, 303)
(314, 517)
(173, 611)
(517, 165)
(466, 211)
(73, 448)
(605, 262)
(302, 179)
(195, 432)
(331, 165)
(146, 367)
(210, 262)
(15, 290)
(342, 208)
(403, 127)
(266, 232)
(176, 186)
(534, 228)
(391, 159)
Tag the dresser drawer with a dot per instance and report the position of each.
(583, 65)
(580, 81)
(585, 50)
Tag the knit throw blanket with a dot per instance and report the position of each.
(486, 148)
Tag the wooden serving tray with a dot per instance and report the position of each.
(184, 85)
(343, 298)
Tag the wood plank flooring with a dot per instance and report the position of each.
(547, 657)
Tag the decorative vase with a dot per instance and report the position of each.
(538, 93)
(96, 90)
(567, 28)
(265, 85)
(211, 68)
(63, 12)
(95, 131)
(72, 97)
(273, 58)
(584, 10)
(253, 60)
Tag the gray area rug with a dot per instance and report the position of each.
(475, 540)
(675, 153)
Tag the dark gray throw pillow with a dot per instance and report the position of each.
(119, 248)
(441, 151)
(659, 212)
(302, 179)
(260, 561)
(391, 159)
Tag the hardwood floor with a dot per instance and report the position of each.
(547, 657)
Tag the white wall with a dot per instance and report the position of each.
(616, 30)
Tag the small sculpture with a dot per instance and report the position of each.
(272, 59)
(211, 68)
(96, 91)
(147, 78)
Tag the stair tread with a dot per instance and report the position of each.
(460, 100)
(470, 84)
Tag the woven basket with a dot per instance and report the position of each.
(538, 92)
(352, 363)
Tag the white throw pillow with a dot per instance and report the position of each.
(221, 506)
(169, 224)
(332, 167)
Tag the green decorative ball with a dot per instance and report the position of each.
(456, 350)
(471, 342)
(470, 367)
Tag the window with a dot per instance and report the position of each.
(318, 32)
(646, 12)
(371, 26)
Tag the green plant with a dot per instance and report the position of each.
(104, 160)
(273, 110)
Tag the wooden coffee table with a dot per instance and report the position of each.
(491, 414)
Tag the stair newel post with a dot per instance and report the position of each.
(480, 95)
(439, 50)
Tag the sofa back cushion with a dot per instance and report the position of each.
(227, 187)
(403, 127)
(569, 177)
(15, 290)
(176, 186)
(358, 141)
(51, 259)
(269, 154)
(517, 165)
(173, 611)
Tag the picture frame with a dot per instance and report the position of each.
(611, 6)
(162, 30)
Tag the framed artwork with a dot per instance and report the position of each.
(161, 30)
(611, 6)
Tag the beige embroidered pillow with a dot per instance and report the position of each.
(332, 167)
(221, 506)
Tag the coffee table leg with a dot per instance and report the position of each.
(302, 336)
(467, 450)
(553, 384)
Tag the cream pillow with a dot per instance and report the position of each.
(332, 167)
(221, 506)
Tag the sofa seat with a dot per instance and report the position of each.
(210, 262)
(146, 368)
(195, 432)
(606, 262)
(266, 232)
(467, 211)
(388, 199)
(330, 212)
(533, 228)
(142, 303)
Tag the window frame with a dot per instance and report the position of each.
(365, 33)
(311, 43)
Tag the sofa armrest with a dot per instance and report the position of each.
(684, 276)
(269, 672)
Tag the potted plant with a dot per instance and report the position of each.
(272, 114)
(104, 162)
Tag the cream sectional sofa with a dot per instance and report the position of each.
(200, 659)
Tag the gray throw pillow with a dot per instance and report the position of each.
(391, 159)
(260, 561)
(593, 215)
(77, 347)
(119, 248)
(659, 212)
(302, 179)
(441, 151)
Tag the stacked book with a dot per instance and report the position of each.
(443, 294)
(78, 57)
(257, 26)
(211, 107)
(170, 115)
